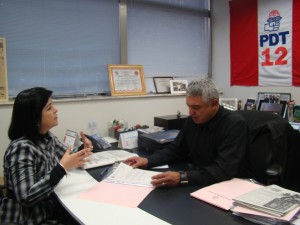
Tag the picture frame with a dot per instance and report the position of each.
(178, 86)
(229, 103)
(250, 104)
(273, 96)
(280, 108)
(162, 84)
(126, 80)
(3, 71)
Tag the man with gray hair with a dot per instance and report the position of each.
(213, 140)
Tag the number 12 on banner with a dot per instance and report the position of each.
(280, 51)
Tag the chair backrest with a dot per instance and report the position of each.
(268, 145)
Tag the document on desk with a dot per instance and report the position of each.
(223, 193)
(123, 174)
(106, 158)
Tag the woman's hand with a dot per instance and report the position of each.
(78, 159)
(86, 142)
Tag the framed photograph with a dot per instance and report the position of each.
(162, 84)
(250, 104)
(178, 86)
(126, 80)
(229, 103)
(273, 97)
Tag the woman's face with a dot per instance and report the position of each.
(49, 117)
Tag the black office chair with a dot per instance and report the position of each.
(270, 150)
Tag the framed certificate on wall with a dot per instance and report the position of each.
(3, 71)
(126, 80)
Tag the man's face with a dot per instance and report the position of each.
(200, 111)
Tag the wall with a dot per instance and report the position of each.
(221, 59)
(76, 115)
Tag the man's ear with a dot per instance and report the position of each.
(214, 102)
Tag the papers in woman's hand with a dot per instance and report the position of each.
(106, 158)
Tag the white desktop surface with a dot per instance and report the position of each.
(92, 212)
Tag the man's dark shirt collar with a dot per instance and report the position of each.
(213, 122)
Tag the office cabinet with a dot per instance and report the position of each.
(170, 122)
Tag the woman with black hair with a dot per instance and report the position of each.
(35, 161)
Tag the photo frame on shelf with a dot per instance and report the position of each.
(278, 107)
(162, 84)
(273, 97)
(178, 86)
(296, 113)
(229, 103)
(250, 104)
(126, 80)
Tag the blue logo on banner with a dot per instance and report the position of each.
(273, 21)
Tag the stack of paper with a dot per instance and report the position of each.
(264, 218)
(271, 199)
(235, 191)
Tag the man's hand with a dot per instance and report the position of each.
(167, 179)
(136, 161)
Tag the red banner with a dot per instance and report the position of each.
(264, 42)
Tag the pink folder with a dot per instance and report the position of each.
(118, 194)
(221, 194)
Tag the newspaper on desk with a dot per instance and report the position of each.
(122, 173)
(270, 199)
